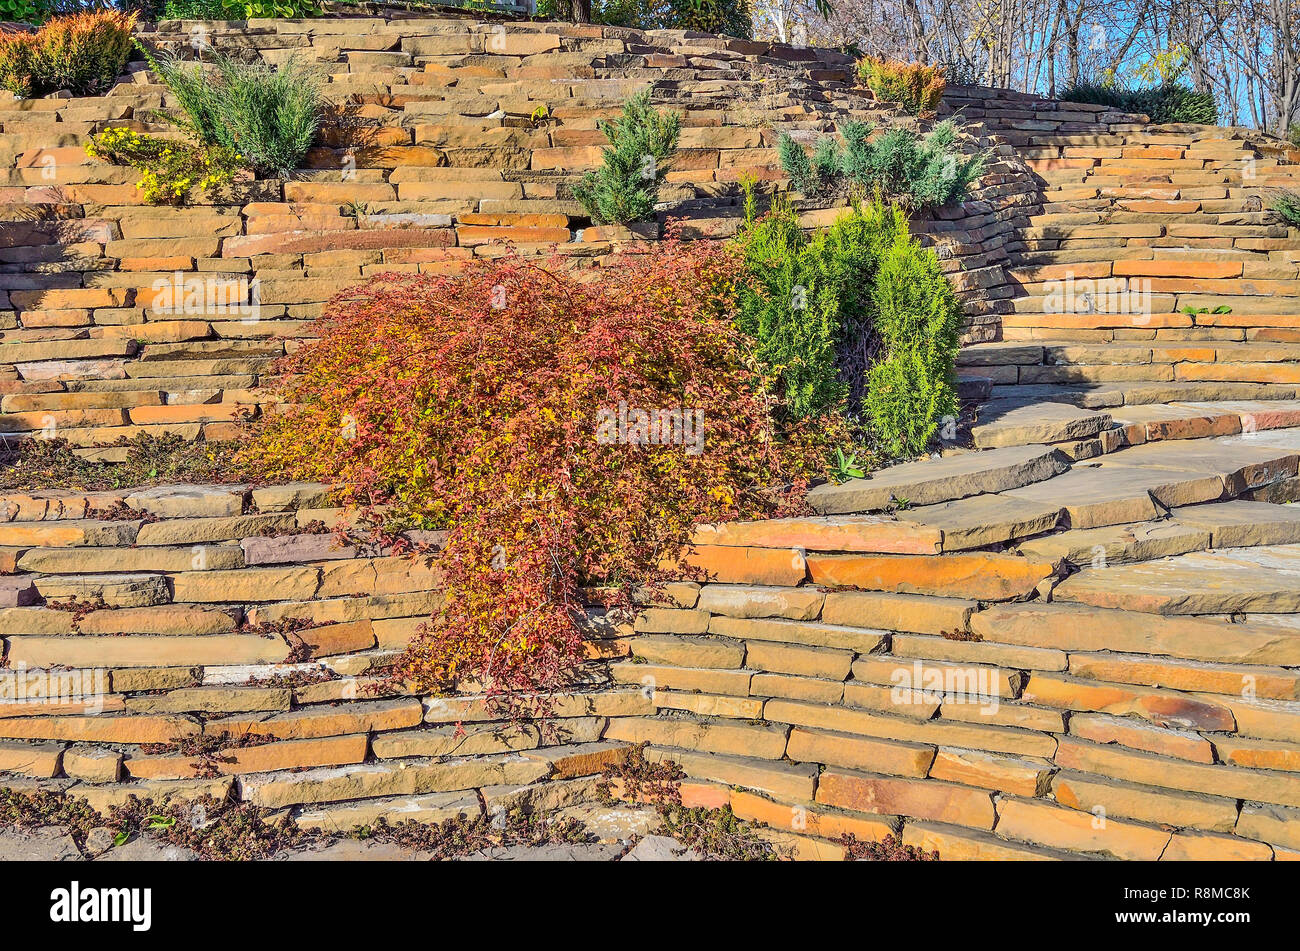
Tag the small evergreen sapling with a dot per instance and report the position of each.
(626, 186)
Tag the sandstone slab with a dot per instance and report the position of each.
(932, 481)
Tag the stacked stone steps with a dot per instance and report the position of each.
(1138, 226)
(1151, 728)
(197, 640)
(1015, 420)
(1070, 720)
(1180, 455)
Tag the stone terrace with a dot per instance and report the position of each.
(450, 138)
(1096, 599)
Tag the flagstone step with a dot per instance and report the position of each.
(1143, 393)
(1261, 580)
(1008, 423)
(932, 481)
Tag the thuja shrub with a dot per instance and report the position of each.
(898, 165)
(509, 404)
(806, 301)
(858, 317)
(912, 387)
(84, 54)
(626, 186)
(916, 87)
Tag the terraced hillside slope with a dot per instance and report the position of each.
(1076, 637)
(449, 140)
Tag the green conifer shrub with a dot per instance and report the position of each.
(626, 186)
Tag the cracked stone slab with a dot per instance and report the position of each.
(986, 519)
(1263, 580)
(1016, 423)
(1243, 524)
(1118, 544)
(117, 591)
(1097, 496)
(932, 481)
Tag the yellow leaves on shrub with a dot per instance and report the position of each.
(916, 87)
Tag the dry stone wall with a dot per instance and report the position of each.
(212, 640)
(450, 139)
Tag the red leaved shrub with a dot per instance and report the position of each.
(501, 403)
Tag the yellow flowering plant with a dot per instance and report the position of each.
(172, 172)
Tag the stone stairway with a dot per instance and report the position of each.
(1106, 652)
(1153, 257)
(1074, 637)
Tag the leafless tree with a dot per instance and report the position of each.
(1247, 52)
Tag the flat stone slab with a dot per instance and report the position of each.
(1203, 390)
(1015, 423)
(291, 549)
(1256, 415)
(931, 481)
(861, 533)
(1243, 524)
(595, 852)
(1000, 353)
(1096, 496)
(1176, 421)
(1094, 396)
(428, 808)
(291, 496)
(145, 849)
(1263, 580)
(352, 850)
(1066, 626)
(986, 519)
(1243, 462)
(986, 576)
(44, 844)
(1280, 439)
(17, 592)
(117, 591)
(661, 848)
(190, 501)
(1117, 544)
